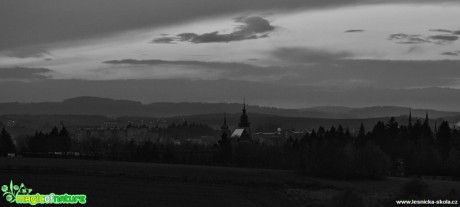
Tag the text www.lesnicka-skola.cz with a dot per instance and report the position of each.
(427, 202)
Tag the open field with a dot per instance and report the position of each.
(144, 184)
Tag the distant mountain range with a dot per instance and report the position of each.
(118, 108)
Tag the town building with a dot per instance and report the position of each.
(137, 133)
(243, 132)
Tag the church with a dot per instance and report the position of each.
(242, 133)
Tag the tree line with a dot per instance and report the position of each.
(6, 143)
(389, 148)
(54, 141)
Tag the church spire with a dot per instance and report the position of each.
(244, 122)
(224, 125)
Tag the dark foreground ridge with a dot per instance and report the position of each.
(109, 183)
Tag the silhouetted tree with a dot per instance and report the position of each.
(55, 141)
(225, 149)
(443, 139)
(64, 139)
(372, 162)
(453, 162)
(427, 137)
(361, 138)
(6, 143)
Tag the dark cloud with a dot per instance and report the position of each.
(313, 67)
(402, 38)
(399, 36)
(231, 70)
(333, 70)
(186, 36)
(443, 39)
(354, 30)
(441, 30)
(216, 37)
(308, 55)
(252, 28)
(457, 53)
(176, 62)
(165, 40)
(452, 32)
(32, 22)
(27, 52)
(22, 73)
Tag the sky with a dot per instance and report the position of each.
(289, 54)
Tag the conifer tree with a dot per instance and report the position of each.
(6, 143)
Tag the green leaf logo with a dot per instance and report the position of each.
(10, 192)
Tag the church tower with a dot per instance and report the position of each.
(244, 121)
(224, 128)
(243, 132)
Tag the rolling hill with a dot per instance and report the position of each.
(119, 108)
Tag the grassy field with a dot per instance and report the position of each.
(144, 184)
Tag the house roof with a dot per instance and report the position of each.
(237, 133)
